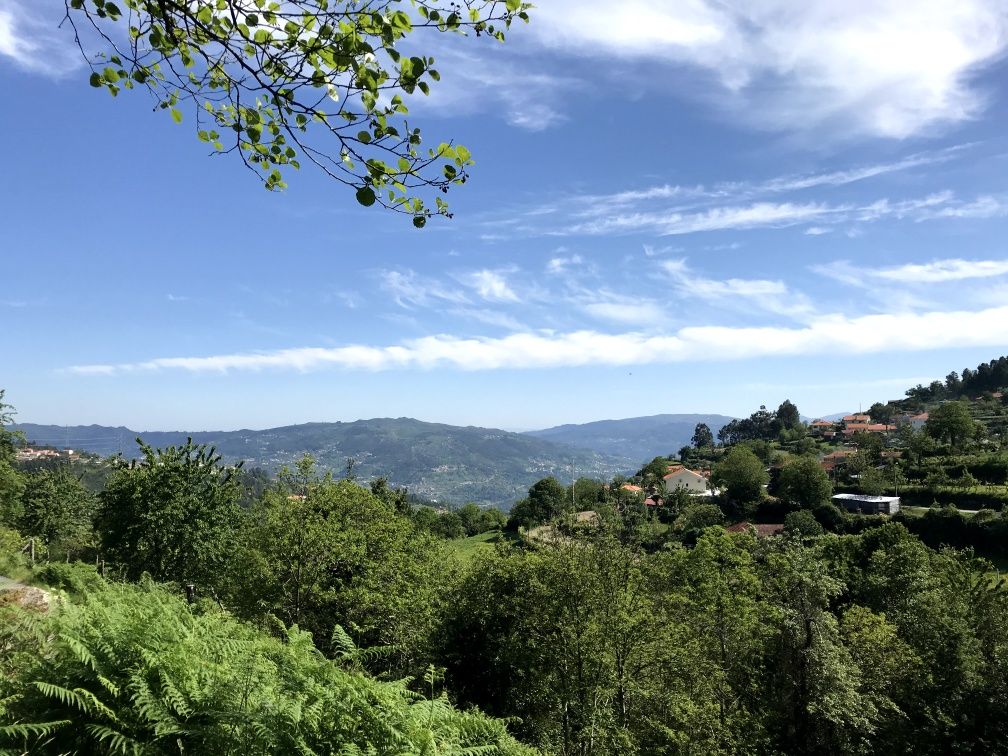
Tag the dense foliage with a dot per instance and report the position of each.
(311, 614)
(133, 669)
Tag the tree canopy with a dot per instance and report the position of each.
(174, 514)
(280, 84)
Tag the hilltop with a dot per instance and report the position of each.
(641, 438)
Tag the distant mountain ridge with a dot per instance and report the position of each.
(450, 464)
(642, 438)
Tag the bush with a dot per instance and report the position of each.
(12, 561)
(132, 669)
(75, 577)
(802, 523)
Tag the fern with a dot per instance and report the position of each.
(132, 670)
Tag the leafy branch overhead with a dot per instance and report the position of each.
(299, 81)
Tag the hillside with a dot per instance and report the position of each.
(442, 462)
(641, 438)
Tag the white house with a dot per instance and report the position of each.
(681, 477)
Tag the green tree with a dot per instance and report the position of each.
(471, 518)
(279, 83)
(492, 519)
(881, 413)
(547, 500)
(804, 483)
(802, 523)
(815, 683)
(11, 481)
(702, 436)
(871, 482)
(59, 510)
(174, 514)
(697, 517)
(742, 476)
(338, 555)
(788, 417)
(951, 423)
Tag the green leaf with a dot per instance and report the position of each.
(419, 221)
(176, 115)
(95, 80)
(366, 196)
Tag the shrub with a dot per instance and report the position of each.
(132, 669)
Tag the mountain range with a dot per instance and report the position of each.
(642, 438)
(444, 463)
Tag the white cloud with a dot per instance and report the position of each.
(561, 265)
(772, 296)
(490, 285)
(981, 207)
(832, 334)
(888, 68)
(29, 36)
(938, 271)
(739, 190)
(818, 216)
(672, 222)
(410, 289)
(494, 82)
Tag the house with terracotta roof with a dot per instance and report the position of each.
(834, 459)
(858, 418)
(694, 482)
(631, 488)
(853, 428)
(822, 428)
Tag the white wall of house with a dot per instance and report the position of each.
(691, 481)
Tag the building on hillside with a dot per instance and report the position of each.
(692, 481)
(864, 504)
(28, 454)
(851, 428)
(914, 421)
(760, 529)
(858, 418)
(631, 488)
(822, 428)
(834, 459)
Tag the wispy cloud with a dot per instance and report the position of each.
(939, 271)
(410, 289)
(833, 334)
(784, 184)
(29, 37)
(770, 295)
(673, 223)
(496, 82)
(892, 68)
(560, 265)
(817, 216)
(490, 285)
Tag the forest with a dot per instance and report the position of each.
(192, 611)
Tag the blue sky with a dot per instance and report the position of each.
(675, 207)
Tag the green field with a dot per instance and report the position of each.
(467, 548)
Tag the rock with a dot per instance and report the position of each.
(26, 597)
